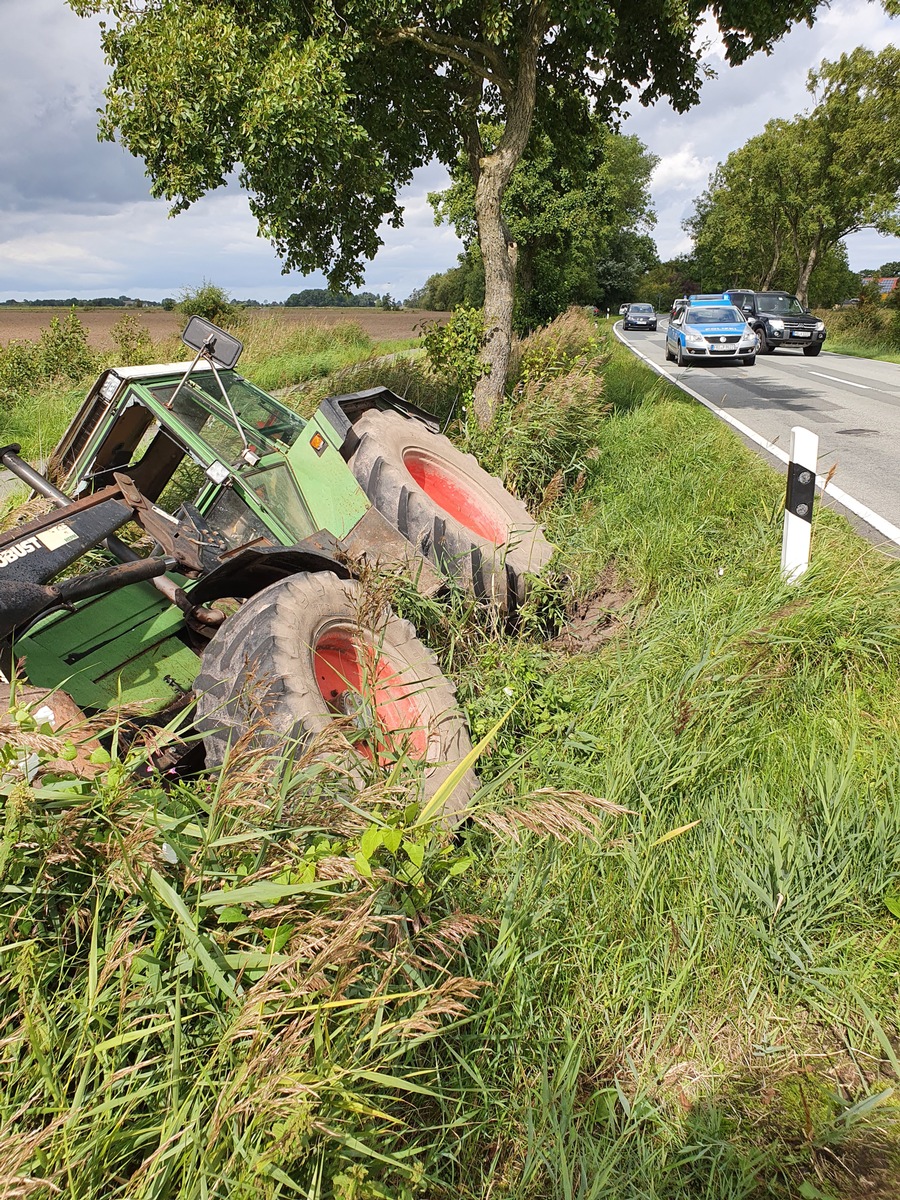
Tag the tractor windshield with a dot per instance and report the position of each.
(198, 403)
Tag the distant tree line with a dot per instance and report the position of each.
(92, 302)
(324, 298)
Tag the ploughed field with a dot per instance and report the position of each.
(25, 324)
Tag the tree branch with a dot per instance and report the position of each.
(480, 58)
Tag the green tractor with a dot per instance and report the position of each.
(245, 605)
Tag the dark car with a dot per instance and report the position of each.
(639, 316)
(779, 320)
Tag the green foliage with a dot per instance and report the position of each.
(208, 301)
(544, 433)
(61, 353)
(134, 346)
(781, 203)
(667, 281)
(577, 209)
(21, 367)
(461, 286)
(453, 349)
(63, 350)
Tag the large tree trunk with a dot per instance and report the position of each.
(766, 281)
(498, 253)
(499, 287)
(807, 269)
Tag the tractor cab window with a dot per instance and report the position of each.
(198, 403)
(137, 445)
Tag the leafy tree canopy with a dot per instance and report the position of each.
(666, 281)
(323, 110)
(781, 203)
(575, 210)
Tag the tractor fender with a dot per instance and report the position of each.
(253, 569)
(342, 413)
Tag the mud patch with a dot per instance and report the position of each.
(599, 618)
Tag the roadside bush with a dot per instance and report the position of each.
(453, 349)
(208, 301)
(133, 342)
(64, 351)
(20, 367)
(61, 353)
(541, 437)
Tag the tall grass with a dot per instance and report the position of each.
(701, 1002)
(215, 990)
(867, 331)
(707, 1007)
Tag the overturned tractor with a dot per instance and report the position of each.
(245, 606)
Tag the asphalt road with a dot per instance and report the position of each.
(853, 404)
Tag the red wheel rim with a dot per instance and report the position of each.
(358, 681)
(456, 495)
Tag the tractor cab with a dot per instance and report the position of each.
(207, 437)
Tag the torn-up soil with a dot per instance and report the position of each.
(599, 618)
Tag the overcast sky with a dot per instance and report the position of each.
(75, 217)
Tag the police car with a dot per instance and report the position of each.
(710, 330)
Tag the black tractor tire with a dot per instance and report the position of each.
(296, 657)
(765, 347)
(450, 508)
(812, 351)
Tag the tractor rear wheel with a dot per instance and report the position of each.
(449, 507)
(297, 657)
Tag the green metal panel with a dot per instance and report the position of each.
(123, 645)
(329, 487)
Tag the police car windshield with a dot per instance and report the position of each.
(714, 316)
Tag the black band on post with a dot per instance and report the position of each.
(801, 491)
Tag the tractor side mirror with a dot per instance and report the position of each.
(211, 342)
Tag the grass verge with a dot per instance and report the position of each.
(699, 1002)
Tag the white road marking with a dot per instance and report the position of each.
(885, 527)
(865, 387)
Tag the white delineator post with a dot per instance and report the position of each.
(798, 504)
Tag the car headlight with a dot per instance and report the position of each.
(777, 323)
(820, 325)
(695, 339)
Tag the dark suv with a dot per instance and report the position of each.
(779, 319)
